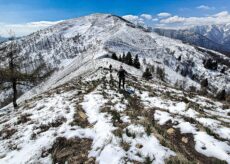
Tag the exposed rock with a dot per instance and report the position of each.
(139, 146)
(188, 105)
(80, 118)
(171, 131)
(184, 139)
(82, 115)
(32, 105)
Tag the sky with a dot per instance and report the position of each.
(26, 16)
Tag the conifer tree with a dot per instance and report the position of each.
(114, 56)
(136, 62)
(221, 95)
(147, 74)
(129, 59)
(160, 73)
(120, 59)
(204, 82)
(123, 58)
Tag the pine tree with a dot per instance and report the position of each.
(144, 61)
(136, 62)
(114, 56)
(120, 59)
(221, 95)
(204, 83)
(160, 73)
(152, 68)
(123, 58)
(147, 74)
(129, 59)
(223, 70)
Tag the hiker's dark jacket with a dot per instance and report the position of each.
(121, 73)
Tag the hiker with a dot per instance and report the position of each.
(110, 68)
(121, 75)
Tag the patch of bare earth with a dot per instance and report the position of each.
(7, 132)
(182, 143)
(72, 151)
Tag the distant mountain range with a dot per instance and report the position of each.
(215, 37)
(2, 39)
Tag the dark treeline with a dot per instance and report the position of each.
(128, 59)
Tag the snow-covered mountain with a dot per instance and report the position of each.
(217, 33)
(90, 38)
(215, 37)
(77, 114)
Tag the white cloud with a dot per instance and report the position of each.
(164, 14)
(131, 17)
(173, 19)
(146, 16)
(164, 20)
(134, 19)
(222, 14)
(220, 18)
(24, 29)
(205, 7)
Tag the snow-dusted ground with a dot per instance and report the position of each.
(116, 138)
(80, 100)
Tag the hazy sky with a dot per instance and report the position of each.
(20, 13)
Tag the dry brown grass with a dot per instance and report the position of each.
(7, 132)
(74, 151)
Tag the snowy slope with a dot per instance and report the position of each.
(85, 119)
(71, 44)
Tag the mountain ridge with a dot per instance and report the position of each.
(98, 35)
(77, 114)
